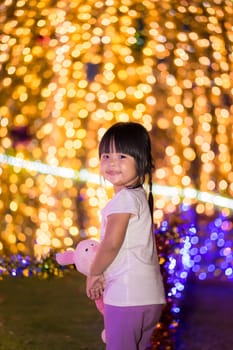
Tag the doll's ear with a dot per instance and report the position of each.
(66, 258)
(84, 254)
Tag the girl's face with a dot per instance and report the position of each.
(119, 169)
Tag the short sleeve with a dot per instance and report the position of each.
(123, 202)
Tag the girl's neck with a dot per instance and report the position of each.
(119, 188)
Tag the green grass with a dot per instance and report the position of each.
(51, 314)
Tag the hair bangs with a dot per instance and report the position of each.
(116, 140)
(106, 145)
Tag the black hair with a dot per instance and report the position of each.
(133, 139)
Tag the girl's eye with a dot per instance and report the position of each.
(104, 156)
(122, 156)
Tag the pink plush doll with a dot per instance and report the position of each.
(82, 258)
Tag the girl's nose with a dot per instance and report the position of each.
(113, 161)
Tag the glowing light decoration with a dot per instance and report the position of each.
(84, 176)
(69, 69)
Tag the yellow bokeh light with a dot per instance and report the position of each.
(68, 75)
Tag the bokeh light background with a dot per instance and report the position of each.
(69, 70)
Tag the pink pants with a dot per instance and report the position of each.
(131, 327)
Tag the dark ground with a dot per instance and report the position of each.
(206, 316)
(56, 314)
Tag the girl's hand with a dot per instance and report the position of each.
(95, 286)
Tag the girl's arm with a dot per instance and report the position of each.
(115, 233)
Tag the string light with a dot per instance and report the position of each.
(84, 175)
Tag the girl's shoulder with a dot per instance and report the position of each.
(134, 193)
(126, 200)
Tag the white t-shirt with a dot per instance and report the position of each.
(134, 277)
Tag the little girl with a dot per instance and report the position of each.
(126, 268)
